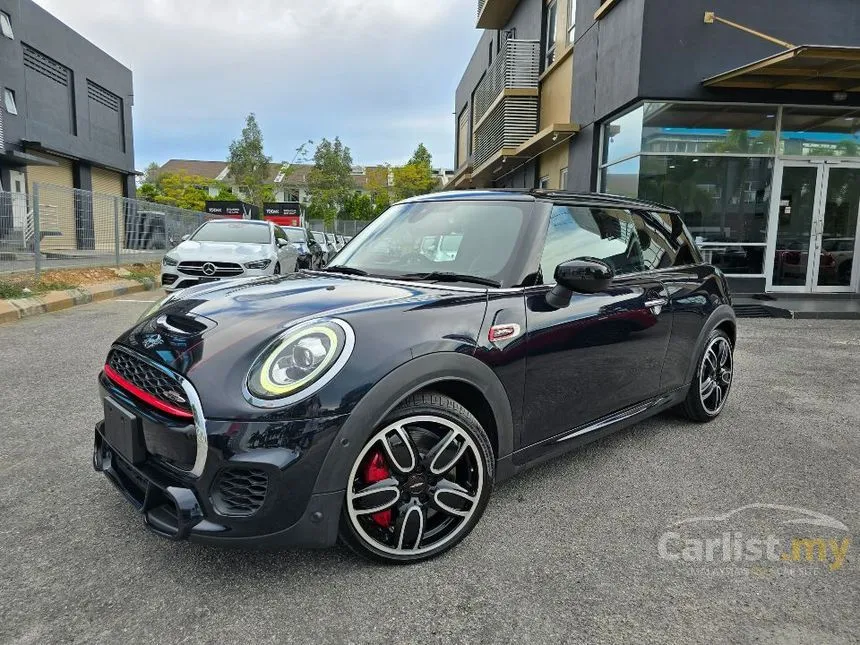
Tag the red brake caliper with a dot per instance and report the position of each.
(375, 470)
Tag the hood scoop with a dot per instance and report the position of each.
(183, 326)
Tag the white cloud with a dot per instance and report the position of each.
(379, 73)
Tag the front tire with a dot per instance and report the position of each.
(277, 270)
(712, 380)
(420, 484)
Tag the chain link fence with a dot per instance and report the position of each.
(349, 227)
(55, 227)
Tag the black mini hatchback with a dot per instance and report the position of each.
(458, 339)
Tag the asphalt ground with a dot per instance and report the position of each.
(566, 552)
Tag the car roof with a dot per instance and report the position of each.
(230, 220)
(542, 194)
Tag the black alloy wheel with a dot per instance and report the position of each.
(712, 381)
(420, 484)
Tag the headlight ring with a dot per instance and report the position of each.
(299, 363)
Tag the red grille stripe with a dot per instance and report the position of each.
(144, 396)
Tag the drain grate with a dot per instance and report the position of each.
(758, 311)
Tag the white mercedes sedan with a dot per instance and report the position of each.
(228, 248)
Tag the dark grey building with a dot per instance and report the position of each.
(66, 116)
(743, 115)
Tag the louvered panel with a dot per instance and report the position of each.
(46, 66)
(510, 124)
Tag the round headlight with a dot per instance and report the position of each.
(300, 362)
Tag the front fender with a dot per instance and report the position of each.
(720, 315)
(410, 377)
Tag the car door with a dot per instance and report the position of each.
(314, 260)
(603, 352)
(287, 254)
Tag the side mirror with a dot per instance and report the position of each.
(282, 242)
(185, 238)
(586, 275)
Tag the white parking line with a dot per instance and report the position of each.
(127, 300)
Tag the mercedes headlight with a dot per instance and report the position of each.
(258, 264)
(300, 362)
(169, 261)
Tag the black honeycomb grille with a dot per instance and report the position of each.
(147, 378)
(240, 491)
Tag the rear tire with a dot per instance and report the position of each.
(712, 380)
(435, 466)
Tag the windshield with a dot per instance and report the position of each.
(240, 232)
(319, 237)
(295, 235)
(472, 238)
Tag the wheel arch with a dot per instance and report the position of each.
(444, 372)
(723, 317)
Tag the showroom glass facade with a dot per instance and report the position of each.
(716, 163)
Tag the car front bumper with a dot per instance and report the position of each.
(173, 280)
(256, 489)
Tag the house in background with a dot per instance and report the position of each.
(293, 187)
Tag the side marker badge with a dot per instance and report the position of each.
(501, 333)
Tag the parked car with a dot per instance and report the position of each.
(311, 255)
(332, 241)
(382, 401)
(341, 242)
(231, 248)
(326, 246)
(841, 249)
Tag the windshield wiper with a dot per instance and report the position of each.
(336, 268)
(450, 276)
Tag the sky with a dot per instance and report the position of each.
(380, 74)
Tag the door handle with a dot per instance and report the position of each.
(657, 302)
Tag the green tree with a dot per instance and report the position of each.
(421, 157)
(359, 206)
(330, 182)
(177, 189)
(224, 193)
(249, 165)
(416, 177)
(150, 175)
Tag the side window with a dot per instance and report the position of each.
(659, 250)
(608, 234)
(677, 237)
(279, 234)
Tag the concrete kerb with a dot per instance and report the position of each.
(15, 309)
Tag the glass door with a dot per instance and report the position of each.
(792, 217)
(837, 230)
(813, 233)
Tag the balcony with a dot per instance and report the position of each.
(494, 14)
(505, 108)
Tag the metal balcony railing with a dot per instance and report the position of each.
(516, 67)
(481, 4)
(505, 120)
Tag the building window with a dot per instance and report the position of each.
(6, 25)
(571, 20)
(9, 100)
(544, 182)
(563, 179)
(714, 162)
(820, 132)
(549, 53)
